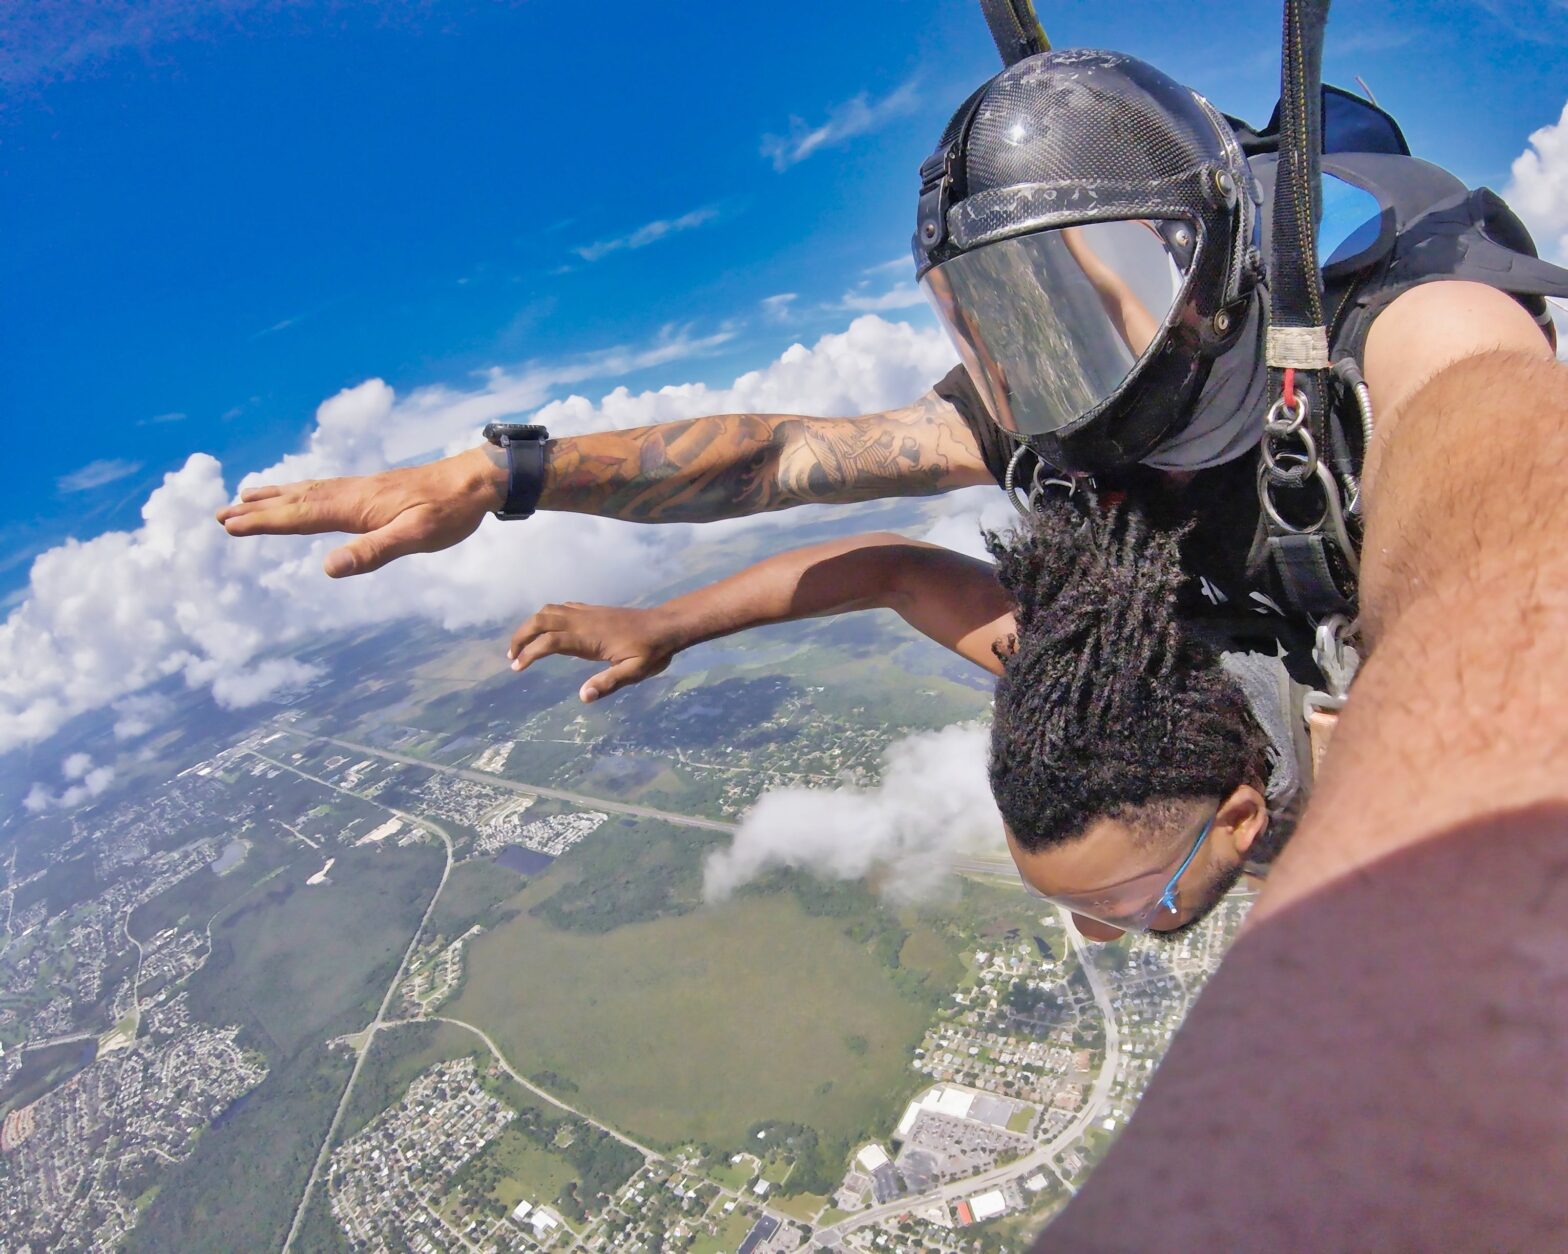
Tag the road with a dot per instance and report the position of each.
(1100, 1091)
(1000, 868)
(500, 781)
(369, 1033)
(528, 1084)
(136, 980)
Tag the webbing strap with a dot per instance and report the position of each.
(1295, 287)
(1015, 29)
(1305, 576)
(1298, 431)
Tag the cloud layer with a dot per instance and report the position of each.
(933, 804)
(1538, 188)
(106, 617)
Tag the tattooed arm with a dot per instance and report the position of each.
(698, 470)
(736, 464)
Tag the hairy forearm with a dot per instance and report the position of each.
(731, 465)
(1413, 931)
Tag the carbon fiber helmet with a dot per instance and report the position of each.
(1085, 234)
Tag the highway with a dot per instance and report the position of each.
(500, 781)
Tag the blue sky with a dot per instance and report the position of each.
(216, 216)
(328, 235)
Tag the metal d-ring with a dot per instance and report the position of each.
(1333, 512)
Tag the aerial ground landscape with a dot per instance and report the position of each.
(419, 958)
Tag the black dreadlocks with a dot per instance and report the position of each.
(1108, 707)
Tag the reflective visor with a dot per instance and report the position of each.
(1052, 325)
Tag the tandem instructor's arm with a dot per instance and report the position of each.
(1382, 1059)
(953, 599)
(698, 470)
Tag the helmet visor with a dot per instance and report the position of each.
(1052, 325)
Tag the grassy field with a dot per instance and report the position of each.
(472, 893)
(43, 1070)
(698, 1026)
(804, 1206)
(526, 1172)
(732, 1230)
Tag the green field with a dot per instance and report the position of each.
(44, 1069)
(732, 1230)
(522, 1171)
(697, 1026)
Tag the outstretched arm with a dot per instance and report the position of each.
(697, 470)
(1336, 1085)
(953, 599)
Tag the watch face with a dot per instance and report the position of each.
(503, 432)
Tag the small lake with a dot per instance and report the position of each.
(233, 854)
(523, 861)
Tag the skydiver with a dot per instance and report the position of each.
(1378, 1063)
(1138, 770)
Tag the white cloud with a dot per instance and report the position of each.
(137, 715)
(1538, 188)
(90, 782)
(897, 265)
(108, 617)
(854, 117)
(899, 296)
(963, 516)
(648, 233)
(934, 802)
(96, 474)
(777, 308)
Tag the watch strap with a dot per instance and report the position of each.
(524, 448)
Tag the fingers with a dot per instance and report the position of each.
(544, 645)
(625, 672)
(275, 515)
(535, 625)
(405, 534)
(301, 509)
(254, 499)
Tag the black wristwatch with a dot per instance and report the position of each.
(524, 446)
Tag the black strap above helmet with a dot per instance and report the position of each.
(1015, 29)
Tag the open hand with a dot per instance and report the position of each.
(418, 509)
(638, 643)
